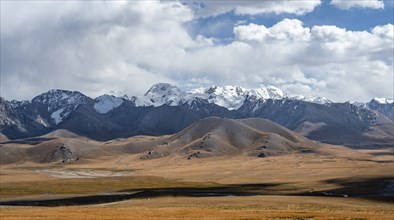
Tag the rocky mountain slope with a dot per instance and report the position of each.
(166, 109)
(384, 106)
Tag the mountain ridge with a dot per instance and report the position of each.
(168, 110)
(168, 94)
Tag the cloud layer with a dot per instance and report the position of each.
(324, 60)
(348, 4)
(206, 8)
(125, 47)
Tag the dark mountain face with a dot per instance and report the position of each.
(21, 122)
(128, 120)
(337, 123)
(387, 109)
(42, 114)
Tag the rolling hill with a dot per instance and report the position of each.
(208, 137)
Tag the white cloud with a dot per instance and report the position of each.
(326, 59)
(90, 46)
(206, 8)
(385, 31)
(251, 32)
(348, 4)
(287, 29)
(127, 47)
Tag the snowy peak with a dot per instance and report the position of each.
(313, 99)
(225, 91)
(230, 97)
(382, 100)
(233, 97)
(270, 92)
(54, 98)
(60, 103)
(160, 94)
(106, 103)
(161, 89)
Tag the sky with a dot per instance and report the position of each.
(339, 49)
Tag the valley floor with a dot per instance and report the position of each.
(255, 207)
(294, 186)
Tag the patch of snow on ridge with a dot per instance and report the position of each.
(313, 99)
(106, 103)
(57, 116)
(383, 100)
(359, 104)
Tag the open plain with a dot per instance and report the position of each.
(214, 169)
(292, 186)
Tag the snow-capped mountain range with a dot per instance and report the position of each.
(61, 102)
(166, 109)
(230, 97)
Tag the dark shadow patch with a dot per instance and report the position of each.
(382, 153)
(379, 189)
(228, 190)
(383, 161)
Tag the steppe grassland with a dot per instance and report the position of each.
(295, 172)
(256, 207)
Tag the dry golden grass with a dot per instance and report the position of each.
(88, 186)
(295, 173)
(257, 207)
(301, 168)
(303, 172)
